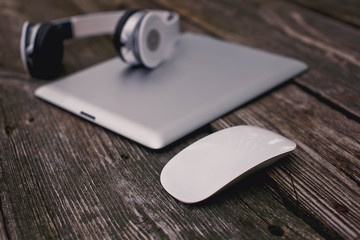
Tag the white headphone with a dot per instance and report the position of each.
(140, 37)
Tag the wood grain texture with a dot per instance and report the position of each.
(324, 174)
(63, 177)
(73, 172)
(69, 178)
(347, 11)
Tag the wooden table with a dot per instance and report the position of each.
(64, 177)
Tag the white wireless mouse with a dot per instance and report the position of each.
(212, 163)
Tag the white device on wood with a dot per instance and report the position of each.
(202, 80)
(140, 37)
(220, 159)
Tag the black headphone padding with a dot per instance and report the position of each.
(46, 59)
(119, 26)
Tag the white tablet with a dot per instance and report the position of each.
(204, 79)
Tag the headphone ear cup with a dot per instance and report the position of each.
(152, 41)
(46, 59)
(118, 30)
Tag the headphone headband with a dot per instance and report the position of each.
(41, 45)
(94, 24)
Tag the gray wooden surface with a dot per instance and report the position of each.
(63, 177)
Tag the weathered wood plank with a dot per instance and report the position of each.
(3, 229)
(325, 169)
(348, 11)
(106, 159)
(330, 48)
(65, 177)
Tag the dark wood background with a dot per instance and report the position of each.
(63, 177)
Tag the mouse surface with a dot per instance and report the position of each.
(215, 161)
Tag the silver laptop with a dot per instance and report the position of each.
(204, 79)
